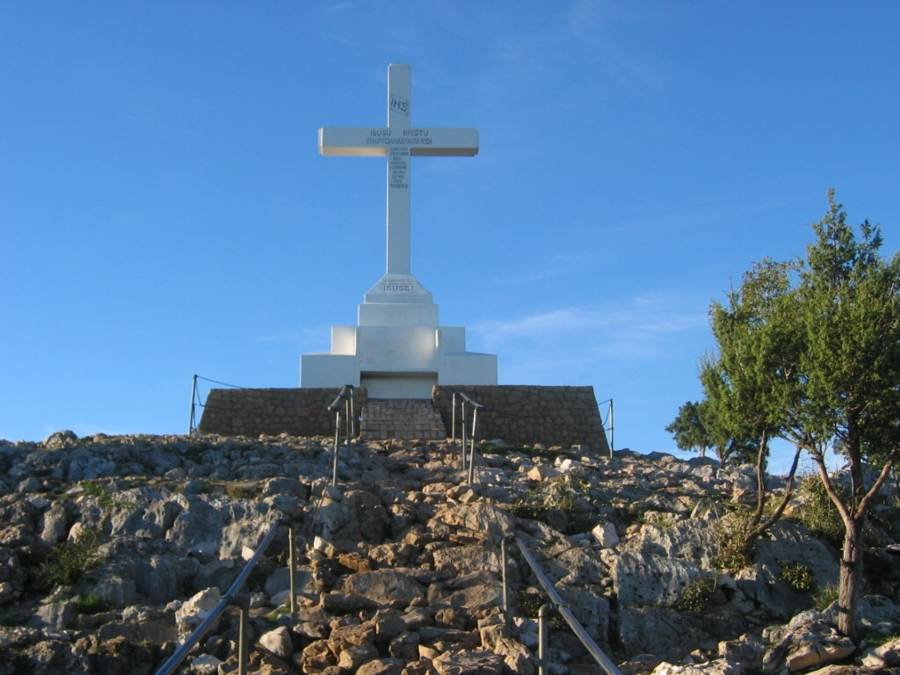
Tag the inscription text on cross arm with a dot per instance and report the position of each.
(376, 141)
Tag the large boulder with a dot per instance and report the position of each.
(664, 632)
(385, 588)
(465, 662)
(642, 580)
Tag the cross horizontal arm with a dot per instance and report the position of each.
(376, 141)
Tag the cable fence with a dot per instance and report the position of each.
(197, 402)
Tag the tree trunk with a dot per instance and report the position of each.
(851, 578)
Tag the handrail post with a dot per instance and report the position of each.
(193, 400)
(503, 566)
(348, 422)
(352, 417)
(472, 446)
(543, 629)
(230, 597)
(337, 440)
(612, 430)
(463, 435)
(292, 565)
(244, 640)
(453, 420)
(602, 659)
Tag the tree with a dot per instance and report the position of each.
(849, 321)
(695, 429)
(809, 351)
(752, 383)
(689, 430)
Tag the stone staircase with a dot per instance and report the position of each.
(401, 418)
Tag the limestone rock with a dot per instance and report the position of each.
(385, 588)
(457, 560)
(316, 657)
(344, 637)
(460, 662)
(886, 655)
(56, 522)
(816, 654)
(718, 667)
(197, 608)
(605, 534)
(643, 580)
(205, 664)
(542, 472)
(278, 642)
(659, 631)
(347, 603)
(388, 666)
(747, 650)
(806, 645)
(355, 656)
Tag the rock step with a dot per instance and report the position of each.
(401, 418)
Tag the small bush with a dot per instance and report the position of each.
(566, 493)
(242, 490)
(529, 605)
(105, 498)
(527, 508)
(697, 594)
(825, 596)
(798, 576)
(819, 514)
(731, 533)
(875, 638)
(91, 604)
(66, 563)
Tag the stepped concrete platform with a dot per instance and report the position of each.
(401, 418)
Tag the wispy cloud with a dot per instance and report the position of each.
(305, 336)
(556, 265)
(640, 328)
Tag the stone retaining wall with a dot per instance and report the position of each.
(256, 412)
(518, 414)
(525, 415)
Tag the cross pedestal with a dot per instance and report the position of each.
(398, 349)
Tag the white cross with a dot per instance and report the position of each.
(397, 141)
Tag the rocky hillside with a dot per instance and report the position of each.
(113, 549)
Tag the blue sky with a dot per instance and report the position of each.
(164, 210)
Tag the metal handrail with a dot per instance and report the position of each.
(468, 463)
(610, 419)
(602, 659)
(231, 597)
(345, 402)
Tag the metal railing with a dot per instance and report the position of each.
(196, 402)
(343, 404)
(232, 598)
(609, 425)
(603, 661)
(468, 462)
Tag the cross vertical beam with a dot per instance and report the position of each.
(398, 141)
(398, 172)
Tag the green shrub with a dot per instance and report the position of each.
(66, 563)
(104, 497)
(529, 605)
(697, 594)
(797, 576)
(819, 514)
(825, 596)
(731, 536)
(91, 604)
(242, 490)
(527, 508)
(566, 493)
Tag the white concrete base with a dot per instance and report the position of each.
(398, 350)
